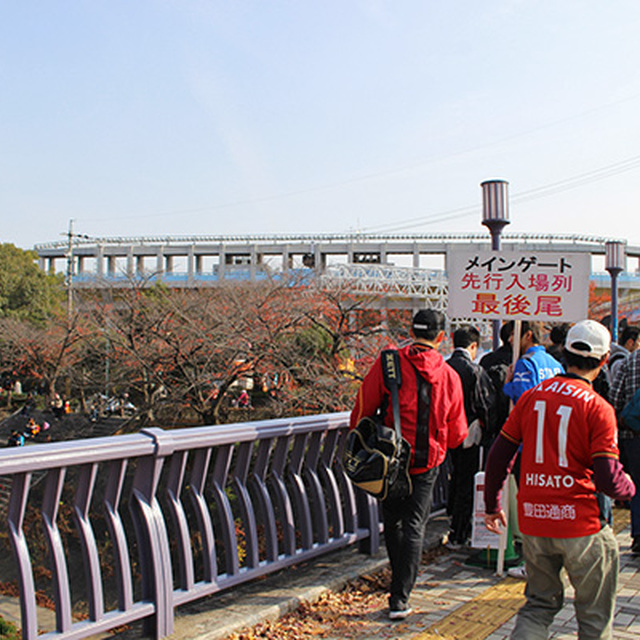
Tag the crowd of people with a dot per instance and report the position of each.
(35, 426)
(548, 418)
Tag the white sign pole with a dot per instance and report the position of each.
(502, 542)
(515, 354)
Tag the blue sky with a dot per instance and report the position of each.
(187, 117)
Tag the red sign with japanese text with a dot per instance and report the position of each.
(518, 285)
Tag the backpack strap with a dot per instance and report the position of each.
(392, 377)
(421, 446)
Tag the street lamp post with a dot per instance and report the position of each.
(495, 216)
(615, 259)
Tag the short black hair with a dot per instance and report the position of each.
(558, 333)
(630, 332)
(580, 362)
(506, 331)
(427, 324)
(607, 322)
(465, 335)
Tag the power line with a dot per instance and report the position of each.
(542, 191)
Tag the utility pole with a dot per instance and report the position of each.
(70, 267)
(70, 272)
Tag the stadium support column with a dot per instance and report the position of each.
(99, 262)
(159, 262)
(190, 265)
(131, 273)
(495, 216)
(615, 259)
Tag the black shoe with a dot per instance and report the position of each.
(635, 546)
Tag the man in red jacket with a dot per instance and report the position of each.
(433, 420)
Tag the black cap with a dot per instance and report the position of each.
(428, 320)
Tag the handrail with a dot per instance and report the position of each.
(177, 515)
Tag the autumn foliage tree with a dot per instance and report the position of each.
(180, 354)
(44, 353)
(183, 352)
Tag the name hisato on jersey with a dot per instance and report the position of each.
(547, 480)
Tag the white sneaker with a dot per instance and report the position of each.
(518, 572)
(399, 614)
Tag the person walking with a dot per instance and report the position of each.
(628, 343)
(558, 335)
(569, 452)
(432, 421)
(479, 401)
(532, 367)
(496, 363)
(534, 364)
(623, 387)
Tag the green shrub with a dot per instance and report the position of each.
(8, 630)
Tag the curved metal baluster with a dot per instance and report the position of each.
(153, 543)
(315, 488)
(112, 495)
(240, 474)
(197, 482)
(17, 508)
(347, 491)
(265, 505)
(332, 490)
(369, 520)
(362, 515)
(281, 495)
(53, 490)
(178, 516)
(229, 538)
(299, 490)
(84, 493)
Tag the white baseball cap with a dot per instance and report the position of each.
(588, 339)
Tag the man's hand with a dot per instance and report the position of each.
(493, 521)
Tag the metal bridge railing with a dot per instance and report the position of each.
(159, 518)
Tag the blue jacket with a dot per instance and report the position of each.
(532, 368)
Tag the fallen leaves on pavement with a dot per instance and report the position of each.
(345, 614)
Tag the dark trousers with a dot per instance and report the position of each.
(465, 464)
(404, 526)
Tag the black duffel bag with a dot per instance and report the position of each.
(376, 457)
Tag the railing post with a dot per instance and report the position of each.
(151, 530)
(17, 510)
(368, 518)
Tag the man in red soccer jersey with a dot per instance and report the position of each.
(569, 452)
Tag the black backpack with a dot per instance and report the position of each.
(498, 374)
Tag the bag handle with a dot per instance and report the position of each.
(392, 377)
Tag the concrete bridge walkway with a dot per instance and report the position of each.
(451, 600)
